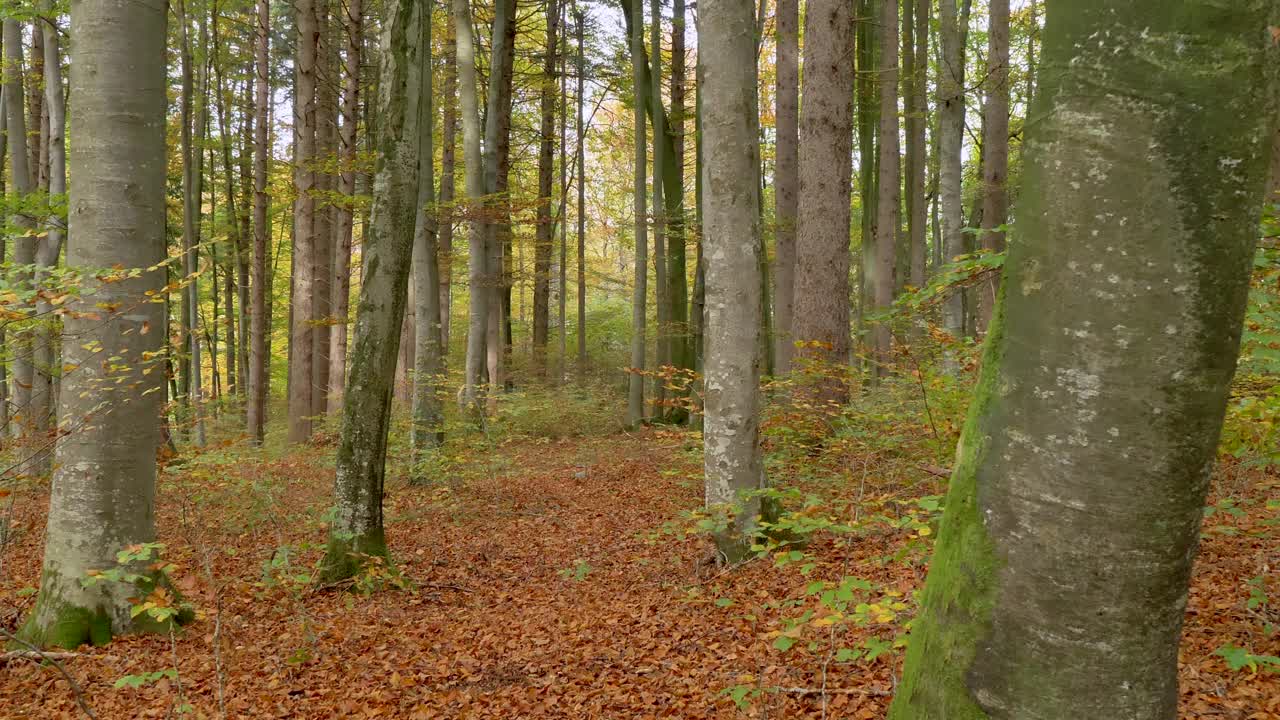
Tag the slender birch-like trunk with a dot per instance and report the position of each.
(786, 184)
(995, 151)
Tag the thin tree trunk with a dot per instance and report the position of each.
(50, 246)
(258, 317)
(995, 151)
(102, 497)
(497, 170)
(24, 243)
(787, 178)
(428, 411)
(233, 227)
(564, 197)
(324, 237)
(542, 232)
(888, 185)
(356, 532)
(733, 462)
(953, 26)
(302, 291)
(353, 23)
(677, 332)
(448, 185)
(580, 132)
(639, 70)
(866, 40)
(915, 86)
(659, 221)
(1059, 582)
(821, 319)
(477, 270)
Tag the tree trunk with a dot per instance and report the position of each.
(356, 533)
(787, 179)
(888, 185)
(821, 319)
(477, 270)
(916, 89)
(353, 18)
(995, 151)
(581, 130)
(639, 75)
(868, 171)
(660, 161)
(222, 99)
(258, 318)
(324, 239)
(49, 247)
(733, 462)
(24, 243)
(497, 169)
(1059, 582)
(428, 412)
(546, 161)
(678, 346)
(102, 498)
(448, 186)
(302, 291)
(953, 32)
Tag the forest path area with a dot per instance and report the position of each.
(540, 584)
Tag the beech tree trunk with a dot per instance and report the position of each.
(888, 185)
(428, 364)
(477, 271)
(25, 402)
(995, 151)
(640, 209)
(733, 464)
(303, 290)
(953, 30)
(356, 533)
(259, 365)
(323, 238)
(915, 91)
(579, 20)
(104, 484)
(354, 32)
(546, 162)
(448, 185)
(1059, 582)
(822, 238)
(787, 178)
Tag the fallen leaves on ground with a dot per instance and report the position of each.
(539, 589)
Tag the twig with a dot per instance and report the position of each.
(833, 691)
(936, 471)
(52, 659)
(26, 654)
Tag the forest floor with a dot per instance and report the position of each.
(555, 579)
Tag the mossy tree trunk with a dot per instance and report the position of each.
(104, 483)
(356, 532)
(732, 459)
(1059, 582)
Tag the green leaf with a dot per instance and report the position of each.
(784, 643)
